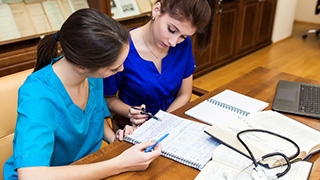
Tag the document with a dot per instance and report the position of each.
(186, 143)
(65, 8)
(225, 106)
(78, 4)
(11, 1)
(33, 1)
(39, 18)
(54, 14)
(229, 164)
(124, 8)
(304, 136)
(23, 19)
(144, 6)
(8, 26)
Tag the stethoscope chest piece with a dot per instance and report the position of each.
(258, 174)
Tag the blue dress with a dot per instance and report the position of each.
(51, 130)
(141, 83)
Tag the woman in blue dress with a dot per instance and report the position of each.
(61, 107)
(158, 70)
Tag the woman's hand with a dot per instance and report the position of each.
(121, 133)
(136, 118)
(136, 159)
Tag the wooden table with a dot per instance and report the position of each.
(260, 83)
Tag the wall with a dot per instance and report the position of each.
(305, 11)
(284, 18)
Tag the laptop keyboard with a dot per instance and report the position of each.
(309, 99)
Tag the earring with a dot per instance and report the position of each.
(153, 18)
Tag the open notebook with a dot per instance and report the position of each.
(187, 142)
(225, 106)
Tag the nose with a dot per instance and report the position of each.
(173, 40)
(121, 68)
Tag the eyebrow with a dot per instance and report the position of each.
(178, 29)
(116, 68)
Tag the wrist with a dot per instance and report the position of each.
(120, 163)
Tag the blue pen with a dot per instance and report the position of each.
(151, 147)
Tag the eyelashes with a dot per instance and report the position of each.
(174, 31)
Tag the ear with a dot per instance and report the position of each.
(81, 69)
(156, 10)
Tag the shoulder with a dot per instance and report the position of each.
(40, 86)
(37, 81)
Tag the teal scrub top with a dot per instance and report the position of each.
(51, 130)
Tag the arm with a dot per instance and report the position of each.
(133, 159)
(117, 106)
(184, 94)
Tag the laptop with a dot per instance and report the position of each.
(297, 98)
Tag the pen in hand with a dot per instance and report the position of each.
(143, 111)
(151, 147)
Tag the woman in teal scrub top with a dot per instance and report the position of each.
(158, 70)
(61, 108)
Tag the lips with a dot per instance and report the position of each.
(163, 45)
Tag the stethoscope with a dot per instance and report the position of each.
(255, 172)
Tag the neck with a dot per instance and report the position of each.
(149, 41)
(68, 74)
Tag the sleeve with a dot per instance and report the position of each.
(112, 84)
(190, 63)
(34, 134)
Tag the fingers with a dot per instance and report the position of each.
(120, 134)
(155, 152)
(136, 118)
(143, 107)
(137, 122)
(146, 144)
(128, 130)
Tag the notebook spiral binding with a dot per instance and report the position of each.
(172, 156)
(179, 159)
(228, 107)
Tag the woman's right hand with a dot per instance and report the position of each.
(136, 118)
(136, 159)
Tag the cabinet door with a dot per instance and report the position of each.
(225, 28)
(249, 19)
(266, 20)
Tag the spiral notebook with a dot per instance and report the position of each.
(187, 142)
(225, 106)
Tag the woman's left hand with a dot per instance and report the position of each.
(121, 133)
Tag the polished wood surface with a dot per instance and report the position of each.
(260, 83)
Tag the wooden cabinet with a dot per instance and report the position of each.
(256, 23)
(240, 27)
(225, 28)
(265, 25)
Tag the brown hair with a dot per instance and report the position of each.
(88, 38)
(198, 12)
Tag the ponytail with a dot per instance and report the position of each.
(47, 49)
(203, 39)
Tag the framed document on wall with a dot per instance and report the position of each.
(124, 8)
